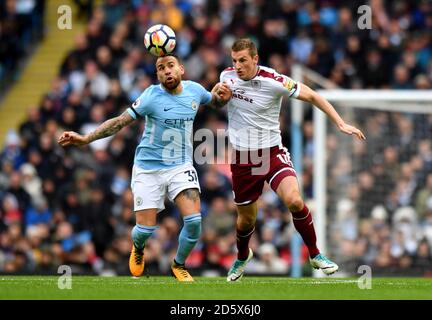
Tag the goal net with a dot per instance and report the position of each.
(373, 198)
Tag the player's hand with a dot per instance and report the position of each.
(72, 138)
(351, 130)
(224, 92)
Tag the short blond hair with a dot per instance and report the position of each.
(245, 43)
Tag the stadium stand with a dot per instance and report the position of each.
(21, 28)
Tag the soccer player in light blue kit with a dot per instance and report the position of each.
(163, 159)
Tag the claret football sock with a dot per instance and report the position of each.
(243, 238)
(304, 225)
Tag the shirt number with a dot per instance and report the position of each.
(192, 175)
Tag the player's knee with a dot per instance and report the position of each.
(294, 202)
(246, 223)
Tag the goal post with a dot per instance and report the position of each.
(297, 113)
(365, 108)
(302, 74)
(381, 115)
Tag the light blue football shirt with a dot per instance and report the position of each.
(167, 137)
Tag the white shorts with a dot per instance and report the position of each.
(150, 188)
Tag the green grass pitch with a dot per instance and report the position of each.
(250, 288)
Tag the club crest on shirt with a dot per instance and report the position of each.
(136, 103)
(256, 84)
(240, 91)
(194, 105)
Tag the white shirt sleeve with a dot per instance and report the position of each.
(281, 83)
(286, 86)
(291, 87)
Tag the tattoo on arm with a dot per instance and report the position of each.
(191, 194)
(110, 127)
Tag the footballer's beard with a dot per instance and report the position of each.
(171, 83)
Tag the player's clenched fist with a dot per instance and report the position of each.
(224, 91)
(221, 94)
(71, 138)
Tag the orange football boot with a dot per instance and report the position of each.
(136, 262)
(180, 273)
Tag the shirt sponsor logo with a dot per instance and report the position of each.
(178, 123)
(240, 94)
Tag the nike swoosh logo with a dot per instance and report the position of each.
(236, 278)
(167, 109)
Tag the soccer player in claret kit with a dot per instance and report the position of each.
(163, 158)
(253, 117)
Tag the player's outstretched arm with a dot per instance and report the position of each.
(311, 96)
(221, 94)
(106, 129)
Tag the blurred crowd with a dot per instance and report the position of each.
(74, 205)
(21, 28)
(382, 215)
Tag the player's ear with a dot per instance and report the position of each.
(255, 59)
(182, 69)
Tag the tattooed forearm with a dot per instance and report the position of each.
(110, 127)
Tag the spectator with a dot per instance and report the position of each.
(96, 81)
(12, 151)
(38, 213)
(31, 182)
(219, 218)
(269, 262)
(423, 257)
(10, 207)
(16, 189)
(21, 28)
(424, 197)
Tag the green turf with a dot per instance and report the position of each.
(257, 288)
